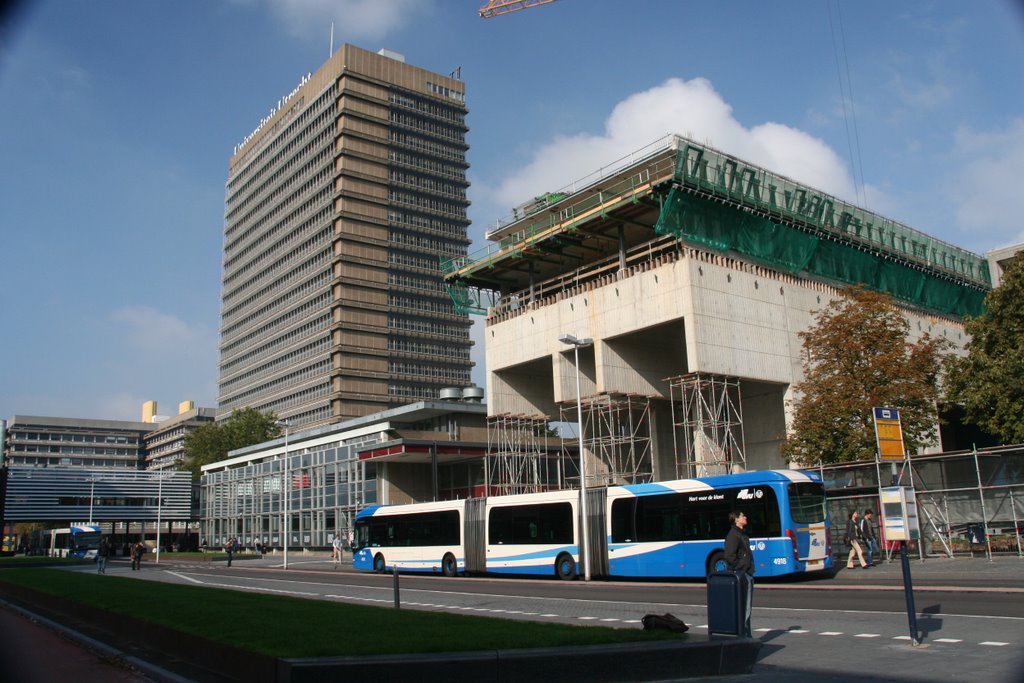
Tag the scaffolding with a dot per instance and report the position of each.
(969, 502)
(708, 425)
(518, 459)
(616, 432)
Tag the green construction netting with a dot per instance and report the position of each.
(723, 228)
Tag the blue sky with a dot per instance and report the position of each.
(119, 117)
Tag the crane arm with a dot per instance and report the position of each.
(496, 7)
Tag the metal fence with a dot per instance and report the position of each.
(969, 502)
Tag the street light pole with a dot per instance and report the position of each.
(92, 491)
(285, 492)
(585, 546)
(159, 503)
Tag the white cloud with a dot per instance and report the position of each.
(147, 329)
(353, 19)
(986, 192)
(919, 94)
(693, 109)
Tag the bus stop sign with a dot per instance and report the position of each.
(889, 434)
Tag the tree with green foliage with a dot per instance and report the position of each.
(858, 357)
(989, 381)
(212, 441)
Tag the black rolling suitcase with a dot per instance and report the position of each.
(726, 604)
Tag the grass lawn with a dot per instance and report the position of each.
(293, 627)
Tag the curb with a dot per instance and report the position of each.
(596, 663)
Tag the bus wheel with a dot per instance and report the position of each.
(565, 567)
(716, 563)
(379, 565)
(448, 565)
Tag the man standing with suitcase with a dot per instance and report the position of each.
(740, 560)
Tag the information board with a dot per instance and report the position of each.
(889, 434)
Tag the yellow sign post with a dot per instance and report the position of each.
(889, 434)
(899, 505)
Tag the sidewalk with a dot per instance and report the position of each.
(1005, 573)
(35, 650)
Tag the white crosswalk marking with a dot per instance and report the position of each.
(994, 643)
(947, 640)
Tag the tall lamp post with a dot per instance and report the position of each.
(285, 492)
(159, 507)
(92, 491)
(585, 546)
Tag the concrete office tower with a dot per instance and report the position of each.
(339, 207)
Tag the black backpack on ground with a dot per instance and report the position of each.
(665, 622)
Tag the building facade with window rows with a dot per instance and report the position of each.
(338, 210)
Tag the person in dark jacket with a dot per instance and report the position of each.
(867, 532)
(137, 550)
(740, 559)
(102, 553)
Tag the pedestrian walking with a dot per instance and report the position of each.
(229, 548)
(336, 547)
(855, 541)
(867, 532)
(137, 550)
(102, 553)
(740, 559)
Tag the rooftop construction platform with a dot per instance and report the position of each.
(710, 200)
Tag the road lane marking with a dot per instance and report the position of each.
(867, 635)
(993, 643)
(947, 640)
(831, 633)
(186, 578)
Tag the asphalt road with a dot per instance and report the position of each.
(851, 627)
(961, 587)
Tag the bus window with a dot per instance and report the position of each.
(657, 518)
(417, 529)
(531, 524)
(806, 502)
(623, 511)
(762, 513)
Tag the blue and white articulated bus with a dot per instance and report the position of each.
(668, 529)
(80, 541)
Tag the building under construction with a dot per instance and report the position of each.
(681, 278)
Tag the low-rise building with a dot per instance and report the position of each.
(319, 478)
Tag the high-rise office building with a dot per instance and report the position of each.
(339, 207)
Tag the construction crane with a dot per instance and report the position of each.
(496, 7)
